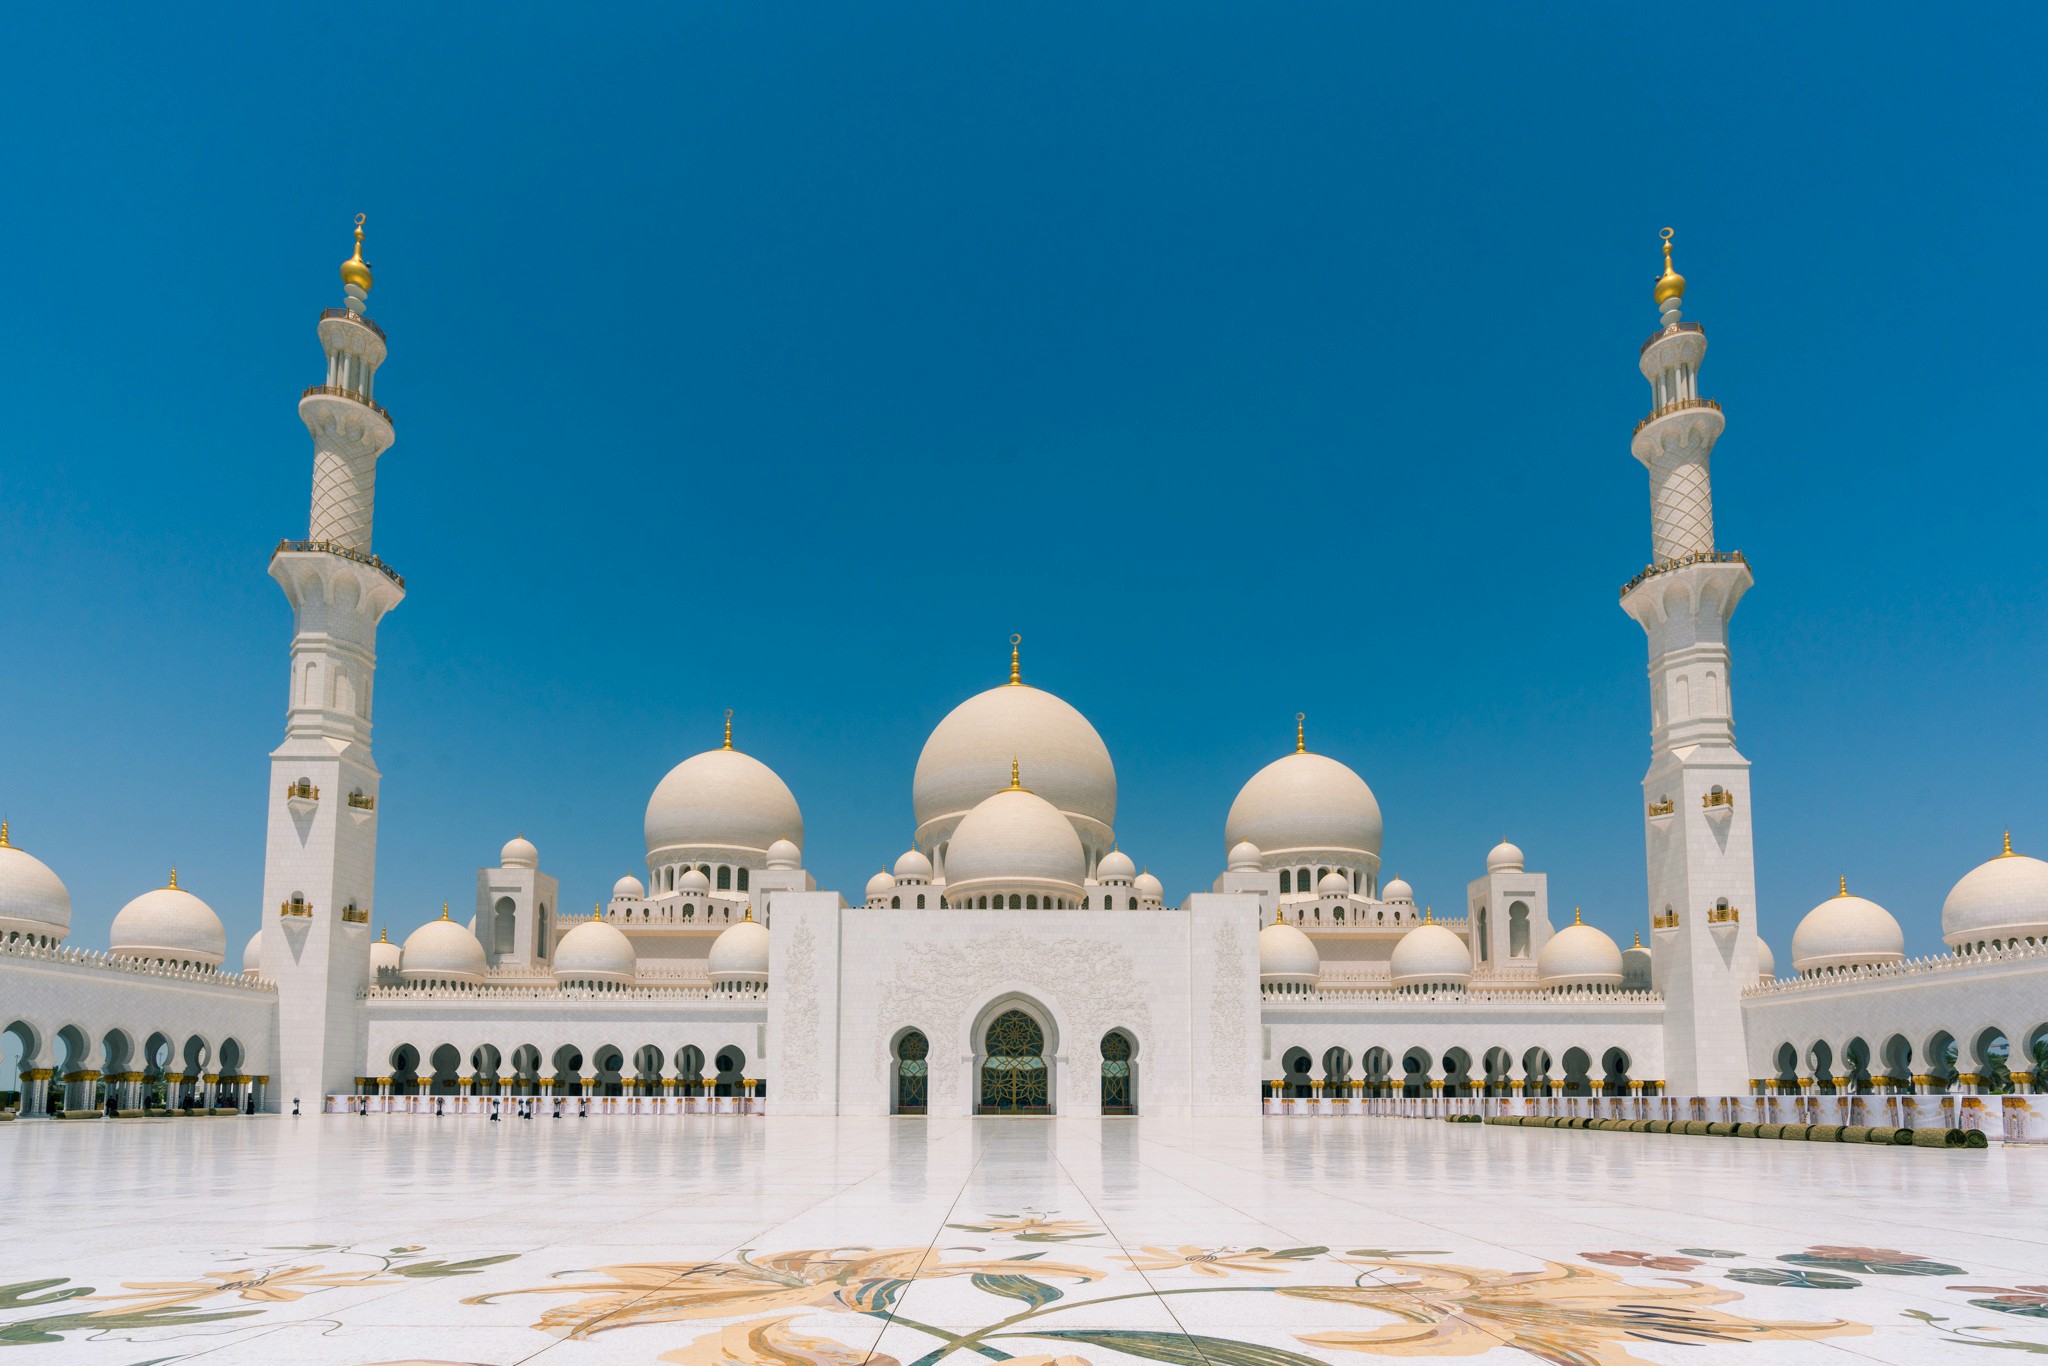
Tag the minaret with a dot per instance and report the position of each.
(320, 864)
(1702, 871)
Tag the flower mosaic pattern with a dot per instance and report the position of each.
(1792, 1280)
(1220, 1261)
(1871, 1261)
(1650, 1261)
(2029, 1300)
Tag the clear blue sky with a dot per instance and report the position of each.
(789, 357)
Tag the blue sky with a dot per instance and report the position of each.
(789, 358)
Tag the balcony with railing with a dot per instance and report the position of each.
(345, 316)
(1680, 406)
(361, 802)
(297, 908)
(353, 914)
(302, 791)
(336, 391)
(1663, 808)
(1724, 915)
(1683, 562)
(1659, 335)
(336, 548)
(1667, 921)
(1717, 797)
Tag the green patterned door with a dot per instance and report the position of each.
(1013, 1074)
(1116, 1074)
(913, 1068)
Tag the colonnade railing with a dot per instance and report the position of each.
(2009, 1118)
(545, 1103)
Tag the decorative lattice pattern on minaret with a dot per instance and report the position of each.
(1681, 511)
(344, 499)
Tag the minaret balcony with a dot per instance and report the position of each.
(336, 391)
(1667, 921)
(1725, 915)
(1651, 571)
(361, 802)
(302, 797)
(298, 908)
(1655, 337)
(1663, 808)
(353, 914)
(1717, 799)
(345, 315)
(1683, 405)
(337, 548)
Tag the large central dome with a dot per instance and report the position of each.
(1305, 804)
(968, 758)
(720, 800)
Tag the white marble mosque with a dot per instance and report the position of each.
(1014, 959)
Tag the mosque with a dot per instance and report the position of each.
(1014, 959)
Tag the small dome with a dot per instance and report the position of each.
(740, 953)
(384, 956)
(1287, 957)
(1149, 888)
(1305, 803)
(1244, 857)
(252, 956)
(784, 856)
(442, 951)
(913, 867)
(519, 853)
(2006, 898)
(629, 888)
(1015, 838)
(171, 924)
(33, 900)
(1579, 955)
(1428, 955)
(1844, 932)
(1334, 884)
(1639, 967)
(879, 887)
(1504, 858)
(1116, 866)
(1398, 892)
(595, 951)
(720, 800)
(693, 882)
(1766, 961)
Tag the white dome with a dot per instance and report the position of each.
(1579, 955)
(967, 760)
(33, 899)
(1430, 954)
(1334, 884)
(1149, 888)
(1015, 838)
(171, 924)
(721, 799)
(1305, 803)
(1504, 858)
(629, 888)
(879, 887)
(252, 956)
(442, 950)
(1766, 961)
(740, 953)
(1243, 857)
(913, 867)
(2006, 898)
(1845, 932)
(519, 853)
(595, 951)
(693, 882)
(1639, 967)
(384, 956)
(1286, 955)
(784, 856)
(1116, 866)
(1398, 891)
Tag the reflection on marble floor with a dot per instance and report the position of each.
(774, 1242)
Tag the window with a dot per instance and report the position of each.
(895, 903)
(743, 879)
(1286, 882)
(724, 878)
(1031, 902)
(920, 901)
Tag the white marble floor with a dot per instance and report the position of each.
(779, 1242)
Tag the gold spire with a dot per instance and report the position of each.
(1016, 781)
(174, 877)
(1577, 919)
(384, 935)
(2007, 854)
(1845, 888)
(1639, 938)
(5, 845)
(1016, 670)
(1300, 732)
(1670, 285)
(355, 271)
(750, 910)
(444, 910)
(1429, 915)
(1276, 914)
(728, 727)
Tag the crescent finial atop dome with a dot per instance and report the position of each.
(1016, 670)
(355, 271)
(1670, 285)
(728, 727)
(1301, 732)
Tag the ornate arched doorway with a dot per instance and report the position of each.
(1119, 1097)
(1014, 1079)
(913, 1073)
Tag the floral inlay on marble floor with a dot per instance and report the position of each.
(750, 1242)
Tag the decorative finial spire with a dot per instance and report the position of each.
(174, 877)
(2006, 854)
(384, 935)
(1429, 915)
(1639, 938)
(1016, 670)
(355, 271)
(1301, 732)
(1577, 919)
(1016, 781)
(1670, 285)
(728, 727)
(1276, 914)
(750, 910)
(1845, 886)
(5, 845)
(444, 910)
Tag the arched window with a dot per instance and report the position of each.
(743, 880)
(1485, 945)
(1016, 902)
(1013, 1071)
(1134, 903)
(895, 903)
(1286, 881)
(1518, 930)
(1031, 902)
(920, 901)
(724, 878)
(913, 1070)
(1117, 1098)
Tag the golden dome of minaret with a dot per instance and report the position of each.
(1670, 285)
(355, 271)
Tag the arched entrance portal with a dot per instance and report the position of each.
(913, 1072)
(1013, 1073)
(1119, 1097)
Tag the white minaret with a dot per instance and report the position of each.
(320, 865)
(1702, 880)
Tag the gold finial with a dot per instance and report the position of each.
(1845, 887)
(444, 910)
(5, 845)
(1670, 285)
(1016, 782)
(750, 910)
(1577, 919)
(1429, 915)
(174, 877)
(1639, 938)
(2006, 854)
(1300, 732)
(384, 935)
(356, 271)
(1276, 914)
(728, 727)
(1016, 671)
